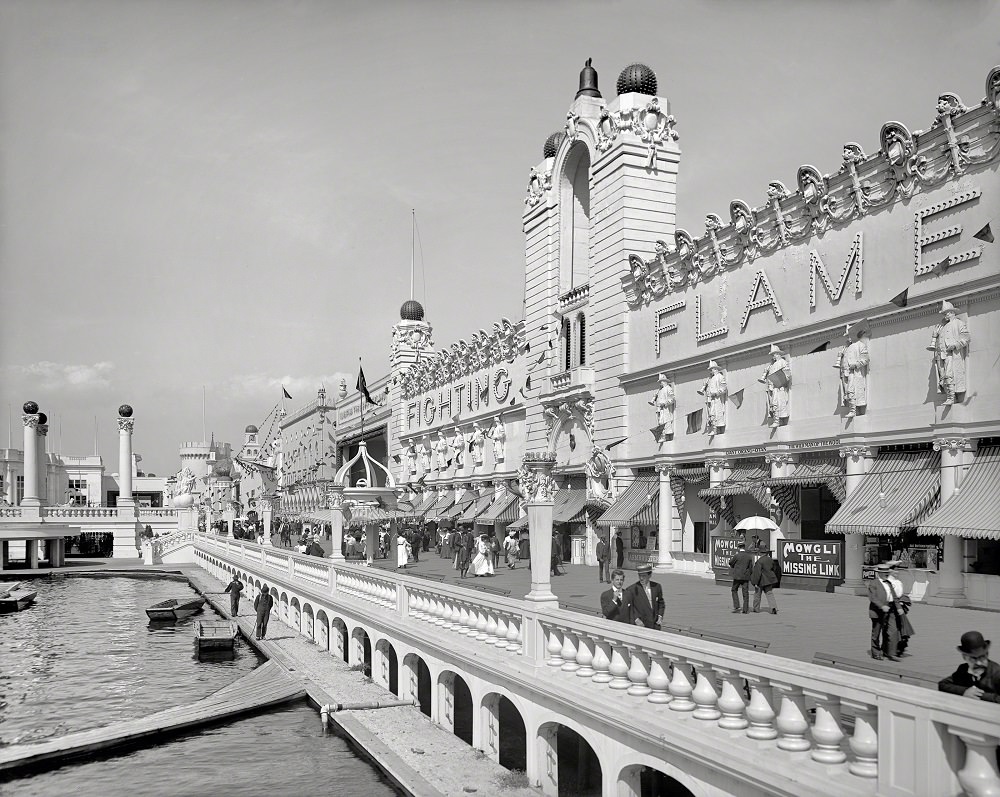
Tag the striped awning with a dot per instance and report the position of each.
(503, 510)
(319, 516)
(682, 476)
(568, 504)
(436, 512)
(974, 512)
(428, 503)
(463, 503)
(363, 515)
(745, 479)
(809, 472)
(637, 505)
(480, 505)
(520, 524)
(902, 489)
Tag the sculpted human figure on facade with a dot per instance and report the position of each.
(441, 449)
(716, 391)
(664, 402)
(478, 442)
(853, 363)
(777, 381)
(424, 455)
(600, 471)
(409, 463)
(458, 443)
(498, 433)
(950, 344)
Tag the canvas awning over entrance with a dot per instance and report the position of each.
(319, 516)
(520, 524)
(683, 476)
(638, 505)
(427, 504)
(744, 479)
(974, 512)
(480, 505)
(462, 504)
(437, 511)
(901, 490)
(568, 504)
(363, 515)
(503, 510)
(807, 473)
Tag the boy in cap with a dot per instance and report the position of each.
(978, 677)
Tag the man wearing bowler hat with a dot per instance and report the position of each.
(644, 600)
(978, 677)
(882, 608)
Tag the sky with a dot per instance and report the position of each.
(215, 195)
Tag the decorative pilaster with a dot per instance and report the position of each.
(665, 529)
(951, 581)
(538, 489)
(30, 419)
(266, 518)
(857, 462)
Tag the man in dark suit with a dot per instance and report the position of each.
(613, 603)
(978, 677)
(645, 600)
(742, 568)
(882, 607)
(619, 550)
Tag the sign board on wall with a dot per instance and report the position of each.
(812, 559)
(723, 549)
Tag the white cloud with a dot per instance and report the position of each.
(49, 376)
(302, 388)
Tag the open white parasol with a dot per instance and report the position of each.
(756, 523)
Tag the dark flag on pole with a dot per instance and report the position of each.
(287, 394)
(362, 386)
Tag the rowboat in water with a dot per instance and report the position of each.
(14, 596)
(174, 609)
(214, 636)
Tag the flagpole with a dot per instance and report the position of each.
(413, 226)
(361, 398)
(204, 436)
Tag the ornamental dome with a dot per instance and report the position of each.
(552, 144)
(411, 311)
(125, 411)
(30, 408)
(251, 429)
(42, 419)
(637, 78)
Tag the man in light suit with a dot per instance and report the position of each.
(613, 603)
(883, 605)
(645, 600)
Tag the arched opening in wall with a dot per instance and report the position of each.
(276, 603)
(321, 630)
(417, 682)
(388, 674)
(295, 614)
(308, 625)
(578, 770)
(581, 339)
(574, 205)
(339, 640)
(283, 608)
(463, 710)
(504, 735)
(641, 781)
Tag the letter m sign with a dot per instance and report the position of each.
(855, 260)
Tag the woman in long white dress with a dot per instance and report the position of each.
(402, 551)
(482, 562)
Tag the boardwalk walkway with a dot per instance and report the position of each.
(268, 685)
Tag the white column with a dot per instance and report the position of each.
(951, 579)
(718, 472)
(125, 426)
(336, 503)
(539, 489)
(857, 462)
(267, 516)
(665, 530)
(781, 465)
(30, 498)
(10, 482)
(41, 459)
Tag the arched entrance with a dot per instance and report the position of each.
(361, 651)
(418, 681)
(338, 644)
(321, 630)
(504, 736)
(455, 706)
(575, 769)
(388, 675)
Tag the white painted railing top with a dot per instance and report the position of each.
(906, 740)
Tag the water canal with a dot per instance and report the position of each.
(85, 655)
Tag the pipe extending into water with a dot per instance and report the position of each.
(329, 709)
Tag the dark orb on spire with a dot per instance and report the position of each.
(30, 408)
(638, 79)
(125, 411)
(411, 310)
(42, 419)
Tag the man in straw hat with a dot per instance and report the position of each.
(882, 607)
(644, 599)
(777, 380)
(950, 344)
(978, 677)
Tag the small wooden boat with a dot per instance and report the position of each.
(174, 609)
(14, 596)
(215, 636)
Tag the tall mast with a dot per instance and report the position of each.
(413, 226)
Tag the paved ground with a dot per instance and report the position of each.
(807, 622)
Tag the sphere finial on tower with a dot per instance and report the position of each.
(411, 310)
(638, 79)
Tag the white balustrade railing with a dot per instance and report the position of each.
(11, 511)
(153, 512)
(168, 543)
(80, 511)
(789, 707)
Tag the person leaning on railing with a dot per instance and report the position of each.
(978, 677)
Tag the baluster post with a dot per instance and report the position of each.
(680, 687)
(568, 653)
(792, 723)
(658, 679)
(619, 667)
(638, 672)
(979, 776)
(826, 730)
(584, 656)
(602, 662)
(731, 702)
(553, 647)
(864, 742)
(705, 696)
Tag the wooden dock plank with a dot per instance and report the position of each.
(266, 686)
